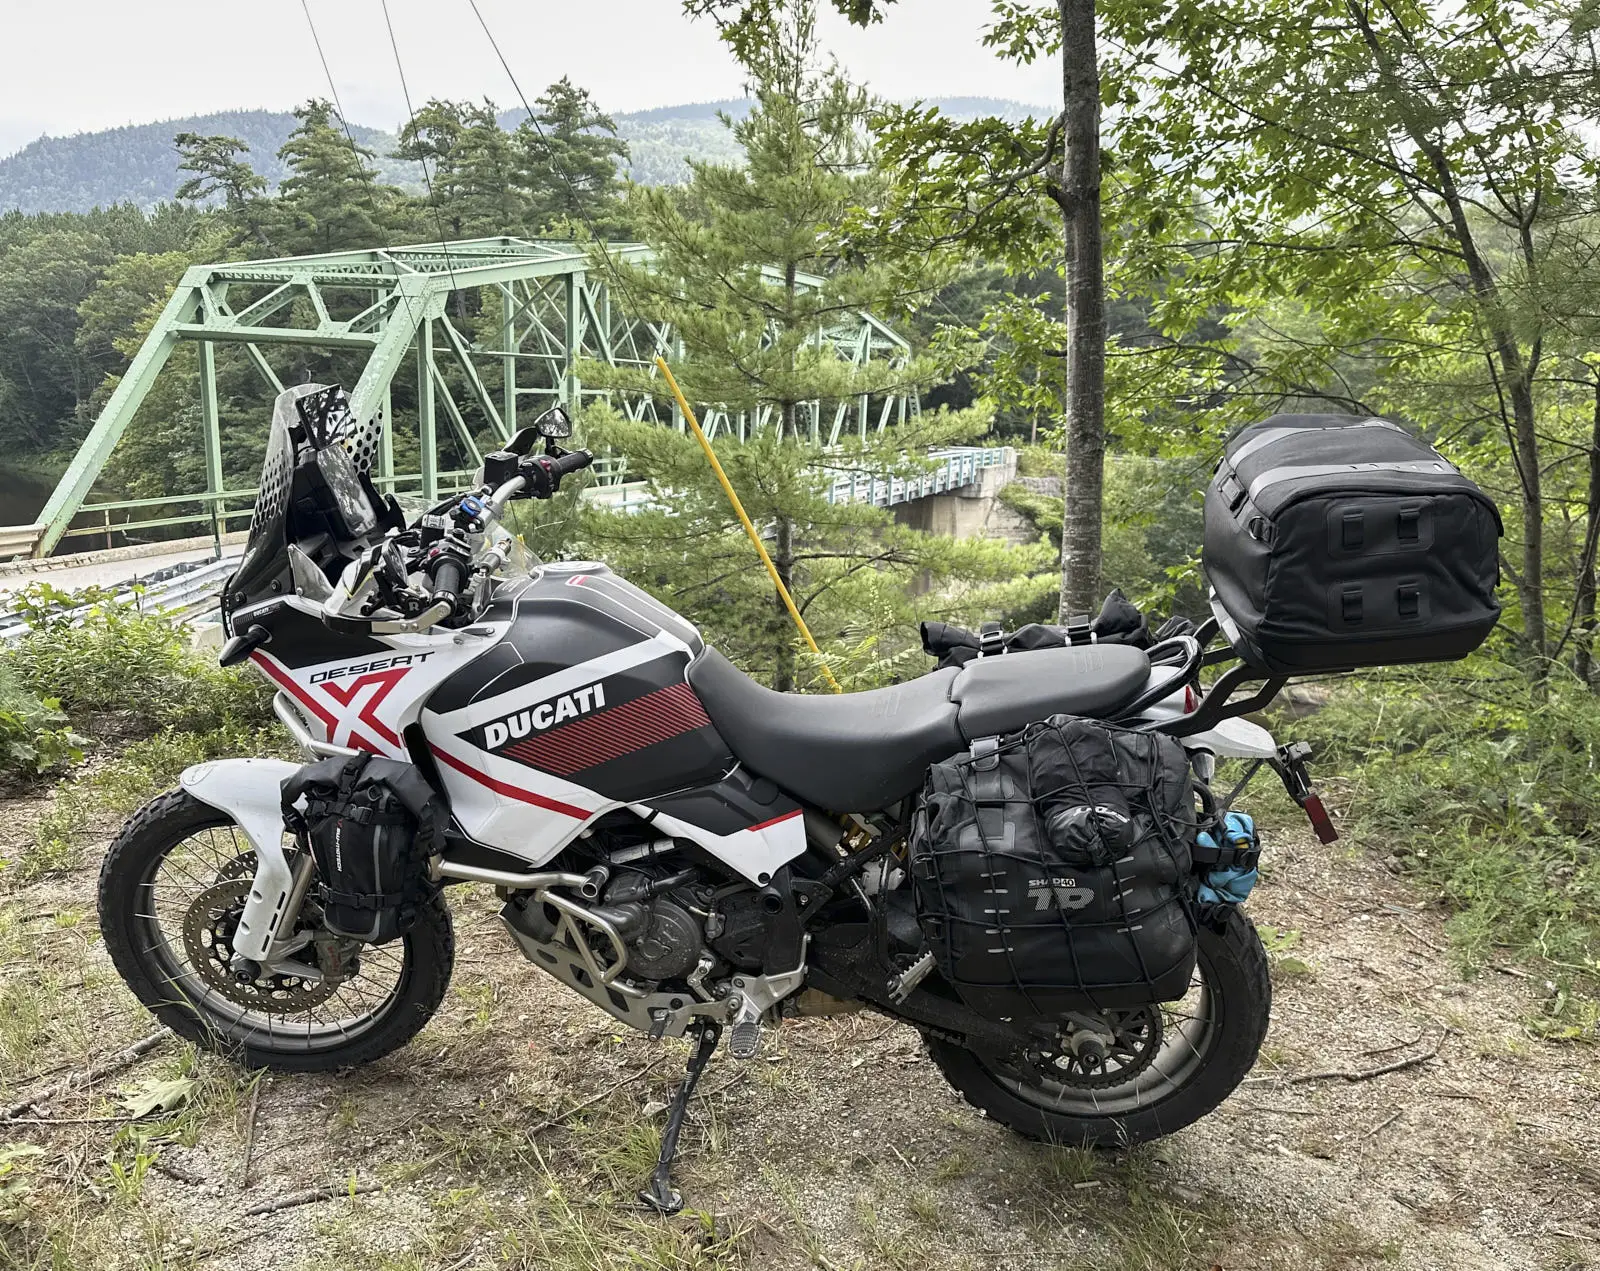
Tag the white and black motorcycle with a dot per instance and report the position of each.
(686, 849)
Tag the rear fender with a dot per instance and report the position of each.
(248, 790)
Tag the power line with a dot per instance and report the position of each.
(405, 92)
(578, 200)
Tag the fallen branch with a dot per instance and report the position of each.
(589, 1103)
(87, 1076)
(63, 1120)
(313, 1197)
(1383, 1125)
(1367, 1074)
(1387, 1050)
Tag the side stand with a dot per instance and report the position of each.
(660, 1195)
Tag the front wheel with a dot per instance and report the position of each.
(171, 891)
(1154, 1070)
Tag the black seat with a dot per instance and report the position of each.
(857, 752)
(1003, 694)
(849, 753)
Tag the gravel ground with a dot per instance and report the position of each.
(839, 1147)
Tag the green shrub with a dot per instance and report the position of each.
(1484, 789)
(121, 658)
(34, 734)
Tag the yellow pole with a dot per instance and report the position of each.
(727, 488)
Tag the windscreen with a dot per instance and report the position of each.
(266, 557)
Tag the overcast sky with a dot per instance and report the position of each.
(80, 65)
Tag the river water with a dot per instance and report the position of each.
(22, 494)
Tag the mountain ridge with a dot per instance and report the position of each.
(136, 163)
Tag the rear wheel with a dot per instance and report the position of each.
(1121, 1078)
(171, 891)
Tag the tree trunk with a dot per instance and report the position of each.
(1583, 620)
(783, 561)
(1530, 587)
(1086, 311)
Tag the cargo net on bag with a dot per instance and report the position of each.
(1052, 870)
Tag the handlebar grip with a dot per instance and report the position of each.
(572, 462)
(449, 577)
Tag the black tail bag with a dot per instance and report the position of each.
(1052, 871)
(1334, 542)
(371, 825)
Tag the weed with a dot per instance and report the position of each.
(1484, 791)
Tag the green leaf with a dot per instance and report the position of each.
(158, 1095)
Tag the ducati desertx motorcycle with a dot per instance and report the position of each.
(686, 849)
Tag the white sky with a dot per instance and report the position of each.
(81, 65)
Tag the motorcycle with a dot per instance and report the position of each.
(682, 847)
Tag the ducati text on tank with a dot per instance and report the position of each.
(591, 697)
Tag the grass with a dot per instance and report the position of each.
(1483, 791)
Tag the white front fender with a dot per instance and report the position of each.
(248, 790)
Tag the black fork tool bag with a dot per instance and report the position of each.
(372, 826)
(1052, 870)
(1334, 542)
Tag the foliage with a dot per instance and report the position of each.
(747, 269)
(1394, 206)
(332, 197)
(34, 735)
(1482, 789)
(99, 654)
(570, 152)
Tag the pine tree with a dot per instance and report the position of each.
(473, 170)
(333, 198)
(569, 162)
(218, 170)
(746, 271)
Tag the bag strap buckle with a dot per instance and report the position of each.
(986, 754)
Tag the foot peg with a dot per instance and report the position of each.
(660, 1195)
(744, 1039)
(902, 986)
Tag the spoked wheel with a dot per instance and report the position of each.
(172, 890)
(1116, 1078)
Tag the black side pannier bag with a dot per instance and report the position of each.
(372, 825)
(1052, 870)
(1334, 542)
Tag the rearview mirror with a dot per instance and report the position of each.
(554, 424)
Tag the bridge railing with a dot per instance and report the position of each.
(211, 510)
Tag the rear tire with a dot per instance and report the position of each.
(1234, 969)
(142, 946)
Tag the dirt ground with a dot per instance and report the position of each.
(515, 1129)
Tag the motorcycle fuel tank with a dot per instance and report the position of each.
(585, 706)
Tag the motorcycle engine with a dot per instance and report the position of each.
(651, 908)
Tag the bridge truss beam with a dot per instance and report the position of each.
(510, 317)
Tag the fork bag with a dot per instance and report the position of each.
(372, 825)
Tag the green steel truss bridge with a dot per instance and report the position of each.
(508, 318)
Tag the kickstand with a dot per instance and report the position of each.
(661, 1196)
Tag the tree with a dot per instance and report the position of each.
(569, 160)
(748, 270)
(218, 170)
(1010, 172)
(475, 186)
(50, 377)
(332, 198)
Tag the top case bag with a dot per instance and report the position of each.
(1334, 542)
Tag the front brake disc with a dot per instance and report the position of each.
(208, 929)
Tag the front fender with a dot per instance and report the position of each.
(248, 790)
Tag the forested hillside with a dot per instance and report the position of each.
(137, 164)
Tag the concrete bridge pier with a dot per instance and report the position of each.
(973, 510)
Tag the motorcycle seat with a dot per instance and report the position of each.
(858, 752)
